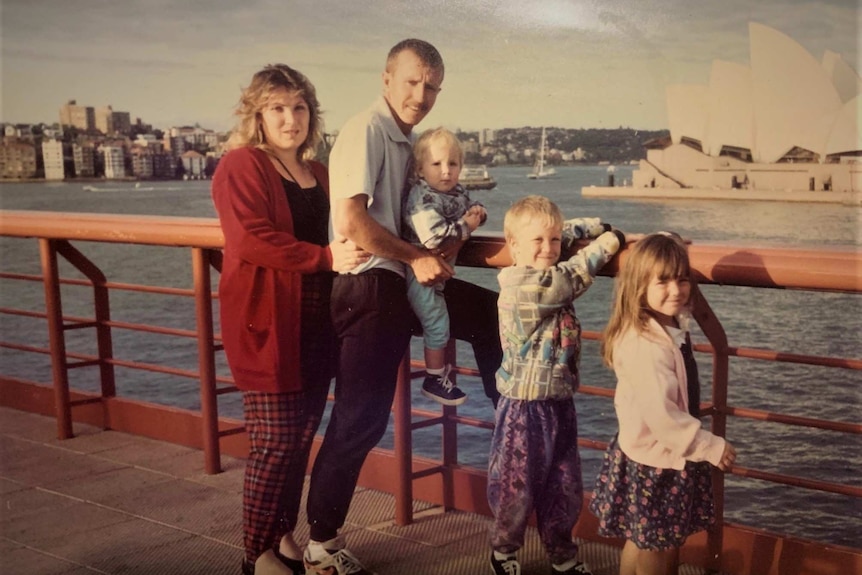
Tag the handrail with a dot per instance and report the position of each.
(827, 269)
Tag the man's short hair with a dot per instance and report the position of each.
(424, 50)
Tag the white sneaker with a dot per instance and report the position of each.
(340, 562)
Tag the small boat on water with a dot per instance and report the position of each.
(136, 188)
(540, 171)
(477, 178)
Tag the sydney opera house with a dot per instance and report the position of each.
(785, 122)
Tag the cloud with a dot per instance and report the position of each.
(576, 63)
(49, 56)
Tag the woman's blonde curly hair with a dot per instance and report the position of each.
(248, 130)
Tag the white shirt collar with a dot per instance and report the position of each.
(676, 334)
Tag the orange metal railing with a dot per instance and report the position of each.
(818, 270)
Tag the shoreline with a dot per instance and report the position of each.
(848, 198)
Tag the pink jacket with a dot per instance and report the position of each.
(651, 402)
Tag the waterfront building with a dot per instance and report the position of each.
(470, 146)
(115, 165)
(176, 145)
(110, 122)
(486, 136)
(142, 162)
(194, 164)
(150, 160)
(83, 155)
(105, 120)
(17, 158)
(164, 165)
(784, 122)
(74, 116)
(179, 139)
(122, 123)
(502, 159)
(52, 157)
(148, 140)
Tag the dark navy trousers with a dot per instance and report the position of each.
(373, 323)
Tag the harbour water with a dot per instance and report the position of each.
(784, 320)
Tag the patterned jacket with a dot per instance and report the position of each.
(430, 217)
(540, 333)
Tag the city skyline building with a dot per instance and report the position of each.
(17, 158)
(115, 165)
(52, 158)
(74, 116)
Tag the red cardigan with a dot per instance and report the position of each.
(260, 290)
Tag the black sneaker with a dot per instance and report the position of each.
(507, 566)
(579, 568)
(441, 389)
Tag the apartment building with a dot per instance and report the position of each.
(109, 121)
(84, 156)
(194, 164)
(115, 165)
(74, 116)
(17, 159)
(52, 157)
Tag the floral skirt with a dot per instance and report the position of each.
(654, 508)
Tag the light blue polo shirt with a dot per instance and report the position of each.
(371, 157)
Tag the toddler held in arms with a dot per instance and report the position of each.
(438, 215)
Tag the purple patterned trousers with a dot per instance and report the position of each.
(535, 466)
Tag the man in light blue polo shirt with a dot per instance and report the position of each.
(368, 169)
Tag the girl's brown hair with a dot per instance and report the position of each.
(248, 131)
(661, 255)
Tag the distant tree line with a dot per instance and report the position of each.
(615, 145)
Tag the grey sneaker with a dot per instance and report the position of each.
(507, 566)
(340, 562)
(441, 389)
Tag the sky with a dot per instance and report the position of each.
(509, 63)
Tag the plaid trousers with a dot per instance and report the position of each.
(281, 427)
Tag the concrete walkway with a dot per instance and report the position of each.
(114, 503)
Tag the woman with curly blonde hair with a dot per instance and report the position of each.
(272, 201)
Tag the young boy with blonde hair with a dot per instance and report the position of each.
(534, 463)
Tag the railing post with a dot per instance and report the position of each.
(720, 370)
(403, 448)
(714, 332)
(102, 313)
(56, 337)
(206, 359)
(450, 436)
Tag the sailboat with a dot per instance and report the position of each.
(539, 169)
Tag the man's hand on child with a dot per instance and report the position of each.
(431, 269)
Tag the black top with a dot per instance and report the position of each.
(692, 377)
(310, 209)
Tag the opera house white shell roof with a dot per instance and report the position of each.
(784, 100)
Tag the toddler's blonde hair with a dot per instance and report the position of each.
(423, 143)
